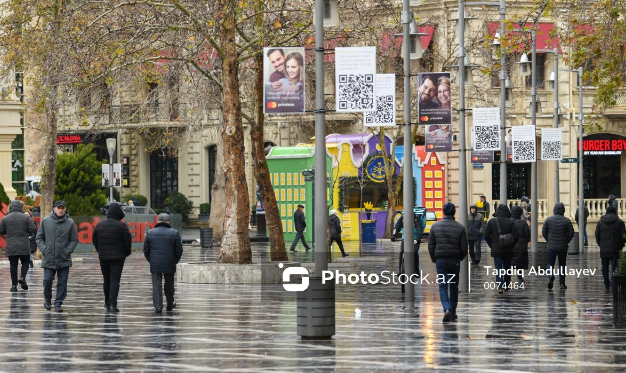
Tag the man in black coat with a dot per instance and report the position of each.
(335, 231)
(475, 229)
(113, 243)
(584, 222)
(163, 249)
(520, 250)
(610, 237)
(300, 225)
(447, 246)
(558, 231)
(501, 225)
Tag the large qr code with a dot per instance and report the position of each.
(355, 92)
(523, 151)
(384, 111)
(486, 137)
(551, 150)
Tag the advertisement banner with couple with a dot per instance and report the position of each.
(283, 77)
(434, 93)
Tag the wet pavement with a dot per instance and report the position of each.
(237, 328)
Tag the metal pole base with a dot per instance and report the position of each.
(316, 310)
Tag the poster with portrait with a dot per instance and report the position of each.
(438, 138)
(385, 114)
(355, 79)
(117, 174)
(434, 98)
(105, 175)
(283, 80)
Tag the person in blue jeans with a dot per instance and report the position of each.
(447, 246)
(57, 239)
(558, 231)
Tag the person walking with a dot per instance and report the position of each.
(335, 231)
(113, 243)
(163, 248)
(33, 242)
(57, 239)
(519, 260)
(300, 225)
(612, 202)
(558, 231)
(16, 228)
(501, 236)
(447, 246)
(610, 237)
(484, 207)
(584, 222)
(475, 229)
(419, 222)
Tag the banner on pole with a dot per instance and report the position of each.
(385, 114)
(105, 175)
(481, 156)
(551, 144)
(523, 147)
(283, 80)
(355, 79)
(117, 174)
(438, 138)
(434, 98)
(486, 129)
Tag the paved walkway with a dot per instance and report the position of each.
(237, 328)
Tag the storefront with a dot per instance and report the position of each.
(67, 142)
(602, 165)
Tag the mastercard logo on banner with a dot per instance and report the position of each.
(474, 158)
(431, 146)
(424, 118)
(272, 105)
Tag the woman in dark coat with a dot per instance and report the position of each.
(335, 231)
(501, 254)
(520, 251)
(17, 227)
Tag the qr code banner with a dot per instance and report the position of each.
(551, 144)
(523, 146)
(355, 77)
(385, 114)
(486, 129)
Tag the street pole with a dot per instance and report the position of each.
(534, 221)
(503, 155)
(464, 271)
(319, 188)
(111, 151)
(581, 190)
(407, 182)
(556, 121)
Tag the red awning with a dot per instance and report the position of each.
(544, 40)
(393, 44)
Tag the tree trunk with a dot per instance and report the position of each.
(218, 198)
(50, 161)
(278, 251)
(236, 241)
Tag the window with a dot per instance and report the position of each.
(353, 196)
(540, 77)
(163, 175)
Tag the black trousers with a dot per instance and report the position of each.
(299, 236)
(13, 260)
(111, 274)
(157, 289)
(339, 243)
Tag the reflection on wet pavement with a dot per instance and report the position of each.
(253, 328)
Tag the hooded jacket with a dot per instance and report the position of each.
(610, 235)
(522, 229)
(447, 239)
(612, 201)
(475, 225)
(335, 226)
(492, 235)
(57, 239)
(111, 237)
(17, 227)
(558, 230)
(586, 215)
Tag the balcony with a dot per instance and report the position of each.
(144, 114)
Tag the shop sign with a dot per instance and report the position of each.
(375, 169)
(69, 139)
(604, 146)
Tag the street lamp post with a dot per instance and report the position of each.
(111, 147)
(503, 155)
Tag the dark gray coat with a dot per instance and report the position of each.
(520, 250)
(162, 248)
(57, 239)
(558, 230)
(17, 227)
(299, 221)
(335, 226)
(475, 225)
(447, 239)
(610, 236)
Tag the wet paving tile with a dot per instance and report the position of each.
(237, 328)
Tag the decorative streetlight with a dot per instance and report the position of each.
(111, 142)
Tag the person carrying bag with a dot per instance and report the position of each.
(501, 236)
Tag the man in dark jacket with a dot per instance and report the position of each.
(610, 237)
(335, 231)
(520, 250)
(582, 226)
(501, 225)
(57, 239)
(300, 225)
(113, 243)
(486, 209)
(558, 231)
(612, 201)
(17, 227)
(475, 229)
(447, 246)
(163, 248)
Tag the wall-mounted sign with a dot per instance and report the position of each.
(604, 146)
(375, 169)
(69, 139)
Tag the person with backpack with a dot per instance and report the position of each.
(519, 260)
(501, 236)
(610, 237)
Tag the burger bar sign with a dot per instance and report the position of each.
(612, 146)
(69, 139)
